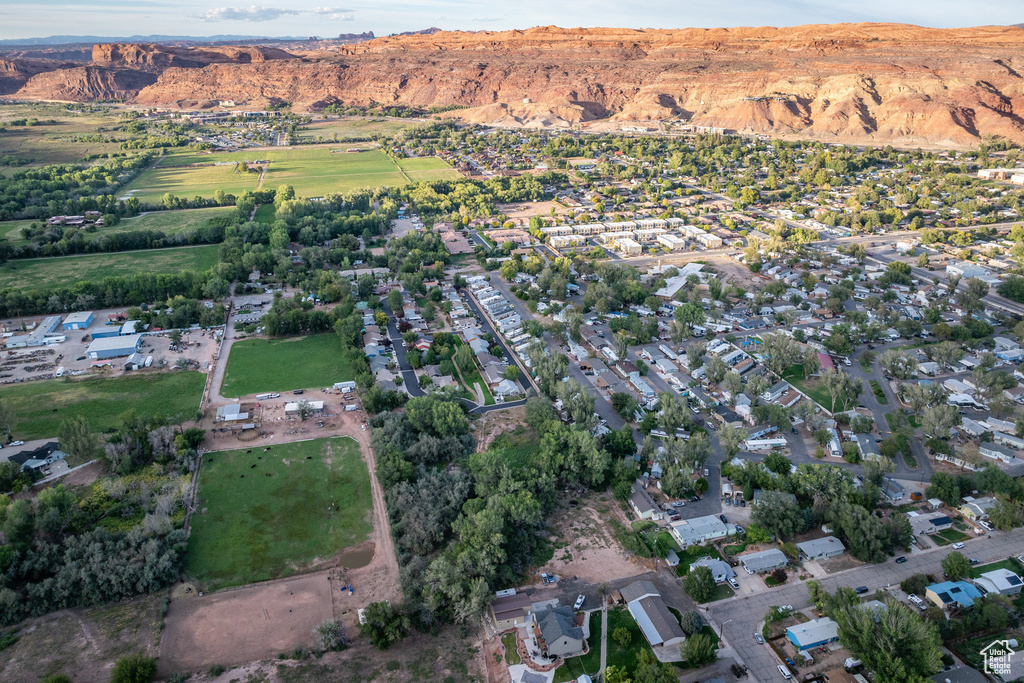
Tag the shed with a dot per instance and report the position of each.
(113, 347)
(78, 321)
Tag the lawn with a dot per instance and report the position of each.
(40, 407)
(1010, 563)
(266, 214)
(949, 536)
(511, 653)
(42, 274)
(813, 388)
(475, 378)
(259, 365)
(618, 655)
(300, 504)
(589, 663)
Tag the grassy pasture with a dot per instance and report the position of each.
(312, 171)
(260, 365)
(46, 273)
(302, 502)
(40, 407)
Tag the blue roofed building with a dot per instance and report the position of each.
(814, 633)
(952, 594)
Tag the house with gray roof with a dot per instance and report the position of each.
(764, 561)
(557, 632)
(700, 530)
(652, 615)
(821, 548)
(720, 569)
(642, 503)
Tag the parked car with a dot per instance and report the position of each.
(958, 546)
(786, 608)
(734, 583)
(678, 504)
(861, 590)
(901, 559)
(579, 601)
(785, 672)
(674, 517)
(17, 443)
(707, 472)
(974, 560)
(695, 499)
(743, 503)
(722, 517)
(759, 639)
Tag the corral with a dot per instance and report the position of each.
(259, 365)
(269, 512)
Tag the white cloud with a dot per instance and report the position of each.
(256, 13)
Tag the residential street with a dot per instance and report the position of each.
(737, 618)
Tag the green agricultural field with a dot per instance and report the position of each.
(423, 164)
(46, 273)
(312, 171)
(172, 222)
(344, 129)
(259, 365)
(189, 181)
(252, 527)
(40, 407)
(168, 222)
(54, 143)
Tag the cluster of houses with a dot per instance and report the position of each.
(629, 237)
(88, 219)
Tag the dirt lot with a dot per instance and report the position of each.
(489, 426)
(525, 210)
(83, 643)
(585, 546)
(451, 657)
(238, 626)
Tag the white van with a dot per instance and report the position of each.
(785, 672)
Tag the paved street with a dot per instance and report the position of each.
(738, 618)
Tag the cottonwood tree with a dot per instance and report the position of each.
(672, 415)
(699, 584)
(918, 396)
(842, 388)
(936, 420)
(731, 438)
(385, 625)
(946, 353)
(76, 437)
(777, 514)
(780, 351)
(897, 364)
(956, 566)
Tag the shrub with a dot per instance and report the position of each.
(330, 636)
(691, 622)
(215, 670)
(135, 668)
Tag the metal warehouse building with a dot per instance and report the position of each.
(113, 347)
(78, 321)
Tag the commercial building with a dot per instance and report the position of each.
(40, 335)
(114, 347)
(78, 321)
(812, 634)
(764, 561)
(293, 407)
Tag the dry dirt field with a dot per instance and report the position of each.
(238, 626)
(489, 426)
(449, 657)
(83, 643)
(585, 546)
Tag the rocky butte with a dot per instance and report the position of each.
(857, 83)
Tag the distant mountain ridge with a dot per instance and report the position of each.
(91, 40)
(866, 83)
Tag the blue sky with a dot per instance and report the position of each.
(32, 18)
